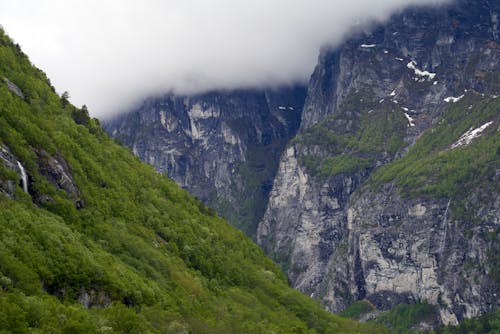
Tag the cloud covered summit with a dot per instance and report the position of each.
(110, 54)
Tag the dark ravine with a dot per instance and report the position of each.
(223, 147)
(375, 197)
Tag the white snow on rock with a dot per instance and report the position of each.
(412, 65)
(393, 93)
(453, 99)
(399, 59)
(281, 108)
(410, 120)
(405, 109)
(367, 46)
(386, 52)
(470, 135)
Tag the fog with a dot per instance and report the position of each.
(111, 54)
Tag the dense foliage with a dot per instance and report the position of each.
(404, 318)
(401, 319)
(128, 252)
(358, 309)
(487, 324)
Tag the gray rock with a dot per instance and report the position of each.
(13, 88)
(58, 173)
(341, 241)
(10, 162)
(223, 147)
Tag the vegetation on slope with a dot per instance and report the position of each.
(354, 137)
(432, 167)
(401, 319)
(487, 324)
(128, 252)
(257, 173)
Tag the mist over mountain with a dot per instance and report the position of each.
(113, 55)
(378, 191)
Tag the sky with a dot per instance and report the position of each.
(111, 54)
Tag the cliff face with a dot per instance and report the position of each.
(385, 181)
(92, 240)
(223, 147)
(382, 196)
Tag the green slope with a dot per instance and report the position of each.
(434, 167)
(487, 324)
(141, 253)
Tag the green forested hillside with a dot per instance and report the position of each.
(101, 243)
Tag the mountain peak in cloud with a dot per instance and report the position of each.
(112, 54)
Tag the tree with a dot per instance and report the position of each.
(65, 99)
(81, 116)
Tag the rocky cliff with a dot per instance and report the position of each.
(223, 147)
(390, 191)
(385, 180)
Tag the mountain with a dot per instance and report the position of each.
(389, 192)
(223, 147)
(92, 240)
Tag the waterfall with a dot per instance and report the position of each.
(24, 177)
(445, 226)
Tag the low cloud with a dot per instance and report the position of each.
(111, 54)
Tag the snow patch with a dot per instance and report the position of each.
(405, 109)
(410, 120)
(453, 99)
(367, 46)
(470, 135)
(399, 59)
(393, 93)
(412, 65)
(386, 52)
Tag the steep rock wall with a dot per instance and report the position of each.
(343, 237)
(223, 147)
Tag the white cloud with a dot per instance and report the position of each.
(109, 54)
